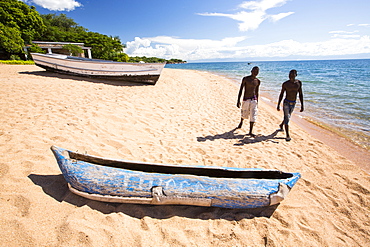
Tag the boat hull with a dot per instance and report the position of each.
(148, 73)
(110, 183)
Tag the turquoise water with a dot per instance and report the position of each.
(336, 92)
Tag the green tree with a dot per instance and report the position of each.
(34, 49)
(102, 46)
(60, 28)
(175, 60)
(10, 39)
(20, 21)
(74, 50)
(121, 57)
(148, 60)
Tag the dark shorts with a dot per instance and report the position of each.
(288, 108)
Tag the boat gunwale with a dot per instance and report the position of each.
(85, 179)
(97, 61)
(172, 169)
(97, 70)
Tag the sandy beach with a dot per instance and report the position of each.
(189, 118)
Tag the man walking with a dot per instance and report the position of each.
(249, 109)
(292, 87)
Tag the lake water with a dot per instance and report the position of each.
(336, 92)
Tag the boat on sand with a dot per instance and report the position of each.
(148, 73)
(125, 181)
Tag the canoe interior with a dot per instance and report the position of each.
(187, 170)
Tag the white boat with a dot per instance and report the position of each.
(138, 72)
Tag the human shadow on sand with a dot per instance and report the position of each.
(260, 138)
(56, 187)
(88, 79)
(227, 135)
(243, 139)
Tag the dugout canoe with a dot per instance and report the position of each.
(125, 181)
(148, 73)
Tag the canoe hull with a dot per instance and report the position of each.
(148, 73)
(113, 184)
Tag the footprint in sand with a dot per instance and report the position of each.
(23, 204)
(4, 169)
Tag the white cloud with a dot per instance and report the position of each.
(360, 25)
(192, 49)
(186, 49)
(254, 14)
(332, 47)
(280, 16)
(56, 5)
(262, 5)
(345, 34)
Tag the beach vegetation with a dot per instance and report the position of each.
(154, 60)
(74, 50)
(20, 62)
(11, 41)
(146, 60)
(60, 28)
(174, 60)
(34, 48)
(121, 57)
(102, 46)
(19, 24)
(15, 57)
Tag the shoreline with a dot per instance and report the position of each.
(352, 151)
(340, 143)
(357, 137)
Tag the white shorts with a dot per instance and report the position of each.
(250, 110)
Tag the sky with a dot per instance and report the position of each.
(226, 30)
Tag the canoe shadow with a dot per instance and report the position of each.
(243, 139)
(56, 187)
(88, 79)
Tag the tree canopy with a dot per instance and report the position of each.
(74, 50)
(59, 28)
(19, 23)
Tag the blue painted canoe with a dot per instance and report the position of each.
(124, 181)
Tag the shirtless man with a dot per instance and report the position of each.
(292, 87)
(249, 109)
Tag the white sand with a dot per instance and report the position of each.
(187, 118)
